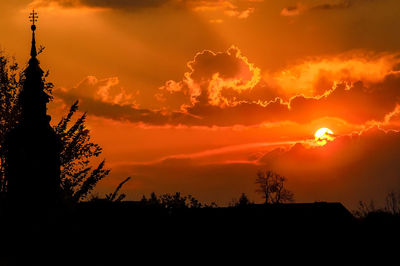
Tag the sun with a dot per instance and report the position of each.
(323, 135)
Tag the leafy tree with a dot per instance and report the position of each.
(9, 90)
(78, 177)
(272, 188)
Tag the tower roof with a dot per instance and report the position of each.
(33, 18)
(33, 96)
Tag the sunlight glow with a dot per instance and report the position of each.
(323, 135)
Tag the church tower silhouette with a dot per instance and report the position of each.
(33, 148)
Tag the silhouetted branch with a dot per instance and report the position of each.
(112, 196)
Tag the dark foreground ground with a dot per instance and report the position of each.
(128, 233)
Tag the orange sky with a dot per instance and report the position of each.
(197, 95)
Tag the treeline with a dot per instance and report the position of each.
(174, 201)
(270, 185)
(390, 211)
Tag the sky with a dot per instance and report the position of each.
(197, 96)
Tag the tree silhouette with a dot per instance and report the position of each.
(391, 207)
(152, 201)
(79, 175)
(243, 201)
(364, 208)
(272, 188)
(10, 87)
(393, 203)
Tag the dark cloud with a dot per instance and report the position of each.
(126, 112)
(357, 103)
(356, 167)
(328, 6)
(351, 168)
(304, 6)
(229, 7)
(125, 3)
(115, 4)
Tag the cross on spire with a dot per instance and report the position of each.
(33, 17)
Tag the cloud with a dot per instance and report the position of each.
(216, 21)
(215, 78)
(315, 76)
(241, 14)
(212, 182)
(225, 89)
(123, 112)
(291, 11)
(359, 166)
(304, 6)
(342, 4)
(113, 4)
(106, 90)
(240, 9)
(354, 103)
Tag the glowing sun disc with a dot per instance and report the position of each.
(323, 135)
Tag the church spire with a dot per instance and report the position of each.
(33, 96)
(32, 146)
(33, 18)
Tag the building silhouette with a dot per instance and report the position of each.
(32, 147)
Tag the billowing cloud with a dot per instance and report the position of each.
(225, 89)
(354, 103)
(215, 78)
